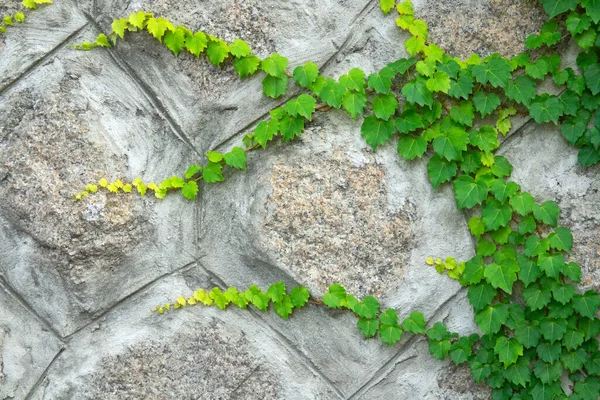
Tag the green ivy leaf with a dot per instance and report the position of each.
(175, 40)
(518, 373)
(490, 319)
(384, 106)
(486, 138)
(276, 292)
(196, 43)
(376, 131)
(354, 80)
(389, 317)
(508, 350)
(555, 7)
(563, 293)
(236, 158)
(299, 296)
(451, 143)
(415, 323)
(402, 65)
(588, 389)
(440, 170)
(382, 81)
(473, 272)
(190, 190)
(547, 213)
(303, 105)
(522, 90)
(439, 349)
(439, 82)
(534, 246)
(561, 239)
(463, 113)
(573, 361)
(549, 352)
(333, 93)
(553, 329)
(586, 39)
(274, 87)
(461, 88)
(368, 327)
(592, 78)
(367, 308)
(460, 351)
(239, 48)
(551, 264)
(547, 373)
(538, 69)
(275, 65)
(536, 297)
(264, 132)
(573, 339)
(486, 103)
(476, 226)
(485, 247)
(572, 271)
(502, 276)
(468, 192)
(387, 5)
(411, 147)
(390, 334)
(495, 215)
(496, 72)
(546, 109)
(522, 203)
(587, 303)
(528, 334)
(502, 190)
(354, 103)
(416, 91)
(479, 371)
(212, 173)
(481, 296)
(592, 365)
(246, 66)
(437, 332)
(305, 75)
(217, 51)
(409, 121)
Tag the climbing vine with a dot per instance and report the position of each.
(539, 333)
(19, 16)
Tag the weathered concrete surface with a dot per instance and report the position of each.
(27, 347)
(61, 127)
(319, 210)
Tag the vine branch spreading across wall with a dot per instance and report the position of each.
(539, 333)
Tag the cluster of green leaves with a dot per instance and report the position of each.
(19, 16)
(536, 326)
(283, 302)
(211, 172)
(372, 321)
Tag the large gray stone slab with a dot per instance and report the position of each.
(199, 352)
(27, 347)
(43, 31)
(75, 119)
(326, 209)
(209, 104)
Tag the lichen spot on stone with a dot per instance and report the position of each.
(330, 223)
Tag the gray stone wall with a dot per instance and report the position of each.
(78, 280)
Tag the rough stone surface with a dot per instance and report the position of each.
(27, 347)
(59, 130)
(77, 280)
(331, 222)
(483, 27)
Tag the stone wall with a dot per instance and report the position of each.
(78, 280)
